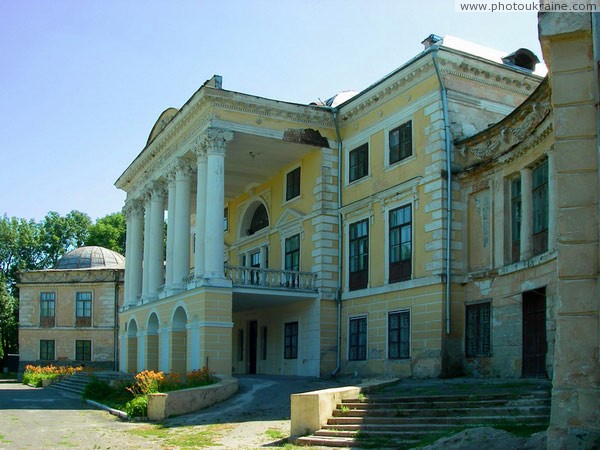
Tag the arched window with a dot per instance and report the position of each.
(260, 219)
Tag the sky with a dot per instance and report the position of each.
(82, 82)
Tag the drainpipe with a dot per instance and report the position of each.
(338, 293)
(443, 92)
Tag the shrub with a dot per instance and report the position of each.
(97, 390)
(199, 377)
(137, 407)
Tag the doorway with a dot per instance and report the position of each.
(252, 346)
(534, 334)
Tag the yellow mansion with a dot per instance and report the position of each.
(350, 236)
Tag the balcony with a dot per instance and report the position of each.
(256, 277)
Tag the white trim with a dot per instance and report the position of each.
(387, 288)
(214, 324)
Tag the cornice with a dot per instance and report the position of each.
(82, 276)
(517, 133)
(403, 80)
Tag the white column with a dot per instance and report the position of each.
(193, 334)
(163, 349)
(201, 161)
(170, 229)
(135, 252)
(552, 208)
(526, 214)
(141, 347)
(215, 194)
(146, 261)
(263, 264)
(156, 240)
(123, 352)
(181, 265)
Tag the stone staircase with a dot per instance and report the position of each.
(75, 384)
(403, 422)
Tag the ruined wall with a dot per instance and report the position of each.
(569, 42)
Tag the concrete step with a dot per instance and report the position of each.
(77, 382)
(441, 412)
(417, 423)
(352, 442)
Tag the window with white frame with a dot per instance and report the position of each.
(399, 335)
(292, 184)
(359, 255)
(357, 339)
(400, 142)
(358, 163)
(400, 243)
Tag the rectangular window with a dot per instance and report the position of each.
(357, 335)
(399, 335)
(47, 350)
(540, 208)
(292, 185)
(255, 263)
(515, 212)
(291, 341)
(400, 142)
(478, 330)
(359, 255)
(83, 309)
(83, 350)
(292, 253)
(47, 308)
(400, 237)
(359, 163)
(264, 343)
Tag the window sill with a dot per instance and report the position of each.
(389, 167)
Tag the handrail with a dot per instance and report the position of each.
(271, 278)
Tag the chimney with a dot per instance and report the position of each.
(432, 39)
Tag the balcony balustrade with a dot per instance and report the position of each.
(257, 277)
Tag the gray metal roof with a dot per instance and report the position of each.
(91, 257)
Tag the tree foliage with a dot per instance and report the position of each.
(9, 310)
(108, 232)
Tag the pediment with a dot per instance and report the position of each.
(163, 120)
(289, 217)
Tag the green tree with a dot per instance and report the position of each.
(63, 234)
(20, 249)
(108, 232)
(9, 340)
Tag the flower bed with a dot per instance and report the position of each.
(38, 376)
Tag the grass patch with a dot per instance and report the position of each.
(521, 430)
(182, 437)
(274, 433)
(4, 440)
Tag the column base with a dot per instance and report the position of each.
(210, 281)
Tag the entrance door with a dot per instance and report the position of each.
(534, 333)
(252, 346)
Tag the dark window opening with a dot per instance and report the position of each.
(359, 162)
(399, 335)
(357, 346)
(260, 219)
(400, 142)
(478, 330)
(292, 186)
(400, 236)
(515, 211)
(83, 350)
(540, 208)
(291, 340)
(47, 350)
(359, 255)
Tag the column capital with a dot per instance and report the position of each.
(216, 140)
(157, 189)
(183, 169)
(133, 207)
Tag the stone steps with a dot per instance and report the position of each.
(76, 383)
(401, 422)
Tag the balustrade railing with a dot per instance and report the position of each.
(271, 278)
